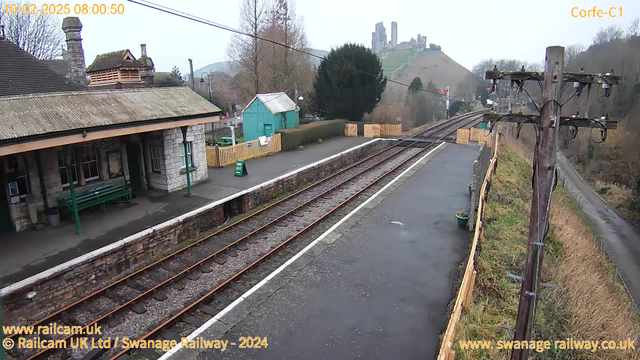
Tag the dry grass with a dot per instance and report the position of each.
(586, 305)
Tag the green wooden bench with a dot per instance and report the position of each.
(97, 196)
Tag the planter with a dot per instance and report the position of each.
(462, 221)
(53, 216)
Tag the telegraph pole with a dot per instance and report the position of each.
(546, 125)
(544, 176)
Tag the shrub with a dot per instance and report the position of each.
(310, 133)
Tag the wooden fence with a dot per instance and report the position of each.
(465, 293)
(377, 130)
(390, 129)
(462, 136)
(223, 156)
(371, 130)
(479, 135)
(351, 130)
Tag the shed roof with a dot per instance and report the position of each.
(21, 73)
(277, 102)
(114, 60)
(39, 114)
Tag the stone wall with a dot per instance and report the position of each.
(176, 176)
(88, 273)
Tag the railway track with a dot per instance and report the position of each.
(178, 293)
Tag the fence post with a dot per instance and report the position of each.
(217, 156)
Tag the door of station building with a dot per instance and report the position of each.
(133, 158)
(5, 217)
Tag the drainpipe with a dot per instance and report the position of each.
(74, 204)
(186, 158)
(43, 188)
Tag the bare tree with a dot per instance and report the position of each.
(246, 52)
(611, 34)
(287, 68)
(38, 34)
(571, 52)
(634, 28)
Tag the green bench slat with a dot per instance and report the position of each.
(96, 196)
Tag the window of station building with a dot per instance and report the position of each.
(156, 158)
(183, 165)
(64, 174)
(18, 178)
(89, 162)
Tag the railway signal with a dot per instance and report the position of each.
(547, 125)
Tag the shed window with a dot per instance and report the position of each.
(89, 161)
(189, 154)
(64, 174)
(156, 158)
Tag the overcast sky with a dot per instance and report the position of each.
(467, 30)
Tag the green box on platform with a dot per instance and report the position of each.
(483, 125)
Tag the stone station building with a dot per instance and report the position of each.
(133, 136)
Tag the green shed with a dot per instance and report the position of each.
(268, 113)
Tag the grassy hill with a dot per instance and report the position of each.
(429, 65)
(433, 66)
(394, 60)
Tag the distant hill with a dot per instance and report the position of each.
(225, 66)
(429, 65)
(317, 52)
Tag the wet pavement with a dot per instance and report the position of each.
(379, 289)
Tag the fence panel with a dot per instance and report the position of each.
(462, 136)
(219, 157)
(372, 130)
(465, 293)
(390, 129)
(351, 130)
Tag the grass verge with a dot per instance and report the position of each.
(586, 305)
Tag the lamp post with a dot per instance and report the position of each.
(208, 83)
(298, 97)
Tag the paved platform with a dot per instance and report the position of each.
(376, 286)
(30, 252)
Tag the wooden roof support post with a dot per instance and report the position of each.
(68, 150)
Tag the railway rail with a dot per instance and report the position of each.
(174, 294)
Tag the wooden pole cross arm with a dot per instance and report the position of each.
(564, 120)
(582, 78)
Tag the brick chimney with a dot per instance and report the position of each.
(149, 70)
(75, 54)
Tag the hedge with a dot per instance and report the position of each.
(310, 133)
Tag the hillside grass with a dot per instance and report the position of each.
(395, 60)
(586, 305)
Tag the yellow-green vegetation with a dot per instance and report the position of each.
(394, 60)
(585, 306)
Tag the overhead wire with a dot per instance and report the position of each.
(188, 16)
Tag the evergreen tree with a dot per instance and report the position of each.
(341, 91)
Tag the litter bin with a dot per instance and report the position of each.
(53, 216)
(33, 208)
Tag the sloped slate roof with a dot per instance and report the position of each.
(21, 73)
(113, 60)
(61, 67)
(276, 102)
(39, 114)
